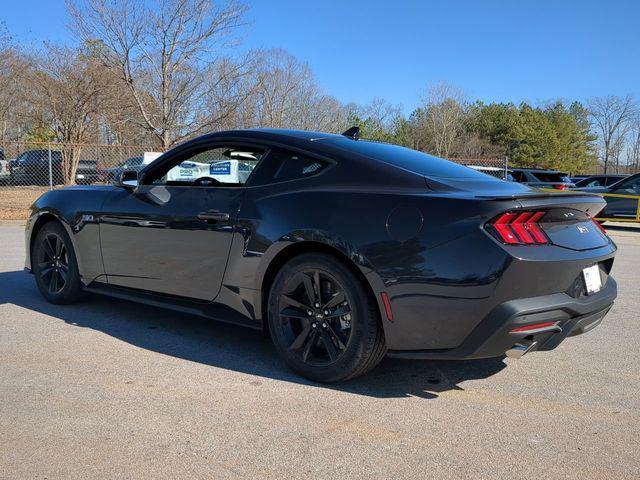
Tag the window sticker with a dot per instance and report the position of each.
(220, 168)
(314, 167)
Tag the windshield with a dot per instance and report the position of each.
(408, 159)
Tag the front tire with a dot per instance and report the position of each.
(55, 266)
(323, 321)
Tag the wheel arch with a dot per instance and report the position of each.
(300, 248)
(35, 225)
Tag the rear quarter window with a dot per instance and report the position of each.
(281, 165)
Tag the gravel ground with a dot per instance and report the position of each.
(111, 389)
(15, 201)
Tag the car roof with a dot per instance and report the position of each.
(536, 170)
(621, 175)
(275, 133)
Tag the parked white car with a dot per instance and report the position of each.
(5, 172)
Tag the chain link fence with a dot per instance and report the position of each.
(491, 166)
(55, 164)
(28, 169)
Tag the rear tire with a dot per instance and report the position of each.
(55, 266)
(334, 336)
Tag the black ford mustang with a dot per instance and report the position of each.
(342, 250)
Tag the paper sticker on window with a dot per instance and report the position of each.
(220, 168)
(314, 167)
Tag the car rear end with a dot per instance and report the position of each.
(561, 263)
(518, 273)
(473, 267)
(87, 172)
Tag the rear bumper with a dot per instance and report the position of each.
(493, 336)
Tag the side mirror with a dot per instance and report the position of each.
(128, 179)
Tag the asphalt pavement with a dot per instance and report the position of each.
(112, 389)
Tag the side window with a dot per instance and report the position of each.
(630, 186)
(292, 165)
(518, 176)
(228, 166)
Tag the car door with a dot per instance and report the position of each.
(627, 206)
(170, 237)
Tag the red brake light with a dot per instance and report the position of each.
(536, 326)
(507, 235)
(521, 228)
(561, 186)
(597, 224)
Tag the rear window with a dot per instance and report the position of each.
(408, 159)
(551, 177)
(590, 182)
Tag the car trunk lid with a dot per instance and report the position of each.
(567, 219)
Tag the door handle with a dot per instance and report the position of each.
(213, 215)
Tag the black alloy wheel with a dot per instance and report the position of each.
(315, 317)
(54, 265)
(323, 320)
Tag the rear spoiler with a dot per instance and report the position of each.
(534, 195)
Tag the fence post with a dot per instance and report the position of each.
(506, 167)
(50, 169)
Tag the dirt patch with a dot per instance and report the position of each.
(15, 201)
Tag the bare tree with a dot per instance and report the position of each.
(65, 86)
(12, 66)
(281, 92)
(378, 119)
(444, 112)
(163, 54)
(610, 116)
(633, 148)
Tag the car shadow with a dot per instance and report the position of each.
(233, 347)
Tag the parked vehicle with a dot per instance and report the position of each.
(576, 178)
(342, 250)
(32, 168)
(599, 181)
(112, 175)
(5, 169)
(624, 208)
(539, 178)
(88, 172)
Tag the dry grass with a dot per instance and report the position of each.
(15, 201)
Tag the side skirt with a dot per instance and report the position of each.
(210, 310)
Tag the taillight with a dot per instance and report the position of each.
(519, 228)
(561, 186)
(600, 227)
(536, 326)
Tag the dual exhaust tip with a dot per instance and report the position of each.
(520, 348)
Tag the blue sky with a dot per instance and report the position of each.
(533, 50)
